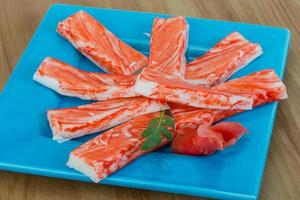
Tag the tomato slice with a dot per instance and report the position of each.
(230, 131)
(207, 140)
(190, 141)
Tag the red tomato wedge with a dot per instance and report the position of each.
(112, 150)
(231, 132)
(207, 140)
(174, 89)
(217, 65)
(101, 46)
(69, 123)
(168, 45)
(189, 141)
(264, 86)
(73, 82)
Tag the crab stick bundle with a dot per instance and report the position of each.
(264, 86)
(102, 47)
(70, 81)
(173, 89)
(111, 150)
(168, 45)
(69, 123)
(220, 62)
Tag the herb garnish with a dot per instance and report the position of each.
(156, 128)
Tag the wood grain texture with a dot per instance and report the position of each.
(19, 19)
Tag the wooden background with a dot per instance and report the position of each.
(19, 19)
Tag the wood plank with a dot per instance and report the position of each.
(20, 18)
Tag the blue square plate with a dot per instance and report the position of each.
(27, 147)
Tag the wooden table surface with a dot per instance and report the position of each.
(20, 18)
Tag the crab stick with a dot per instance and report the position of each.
(112, 150)
(217, 65)
(174, 89)
(69, 123)
(264, 86)
(102, 47)
(168, 45)
(73, 82)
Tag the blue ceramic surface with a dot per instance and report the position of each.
(26, 145)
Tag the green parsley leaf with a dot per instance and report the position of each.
(157, 127)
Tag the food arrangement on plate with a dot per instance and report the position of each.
(152, 102)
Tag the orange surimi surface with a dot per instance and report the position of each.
(69, 123)
(173, 89)
(264, 86)
(168, 45)
(70, 81)
(220, 62)
(190, 117)
(102, 47)
(111, 150)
